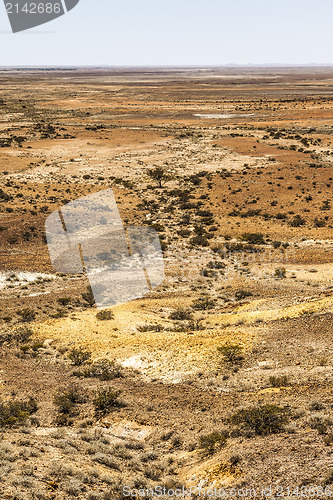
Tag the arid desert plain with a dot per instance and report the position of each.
(221, 377)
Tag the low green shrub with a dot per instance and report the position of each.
(16, 412)
(105, 315)
(232, 353)
(203, 303)
(78, 355)
(278, 381)
(262, 420)
(181, 314)
(253, 238)
(210, 443)
(65, 401)
(27, 314)
(104, 369)
(105, 400)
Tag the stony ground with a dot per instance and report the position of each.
(242, 321)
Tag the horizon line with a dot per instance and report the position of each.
(169, 66)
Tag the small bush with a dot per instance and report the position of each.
(78, 356)
(199, 240)
(73, 487)
(297, 221)
(316, 406)
(104, 369)
(64, 301)
(280, 272)
(150, 328)
(319, 223)
(105, 315)
(278, 381)
(263, 420)
(27, 314)
(101, 458)
(105, 400)
(65, 401)
(203, 303)
(232, 353)
(15, 412)
(320, 424)
(195, 325)
(67, 397)
(253, 238)
(181, 315)
(23, 334)
(211, 442)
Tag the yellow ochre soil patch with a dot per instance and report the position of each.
(169, 355)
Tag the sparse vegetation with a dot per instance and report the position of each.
(210, 443)
(27, 314)
(247, 263)
(262, 420)
(15, 412)
(253, 238)
(65, 401)
(78, 355)
(105, 315)
(278, 381)
(104, 369)
(181, 314)
(232, 354)
(204, 303)
(105, 400)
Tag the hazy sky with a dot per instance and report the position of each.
(177, 32)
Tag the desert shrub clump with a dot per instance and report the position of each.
(209, 443)
(278, 381)
(319, 425)
(105, 315)
(232, 353)
(199, 240)
(280, 272)
(262, 420)
(16, 412)
(150, 328)
(104, 369)
(27, 314)
(253, 238)
(203, 303)
(78, 356)
(65, 401)
(181, 314)
(105, 400)
(297, 221)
